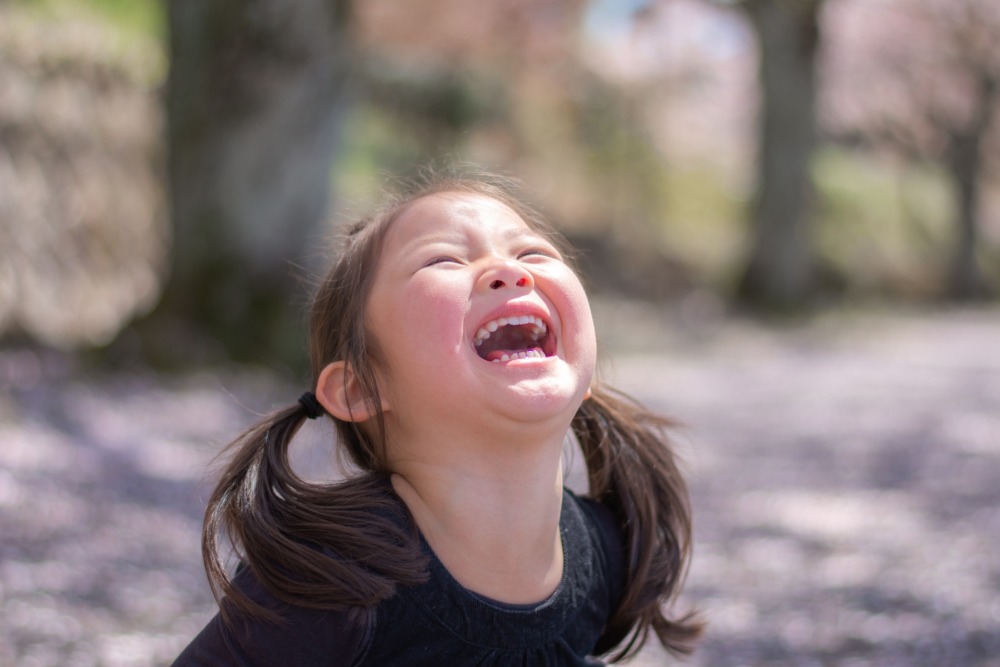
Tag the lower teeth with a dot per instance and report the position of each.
(529, 354)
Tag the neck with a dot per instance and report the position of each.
(489, 510)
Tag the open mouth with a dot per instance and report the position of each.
(515, 337)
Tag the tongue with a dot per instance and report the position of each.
(509, 339)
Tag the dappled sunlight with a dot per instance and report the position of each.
(845, 484)
(844, 463)
(102, 487)
(832, 518)
(844, 477)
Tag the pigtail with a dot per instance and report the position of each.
(338, 546)
(632, 470)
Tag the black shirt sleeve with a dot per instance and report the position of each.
(305, 638)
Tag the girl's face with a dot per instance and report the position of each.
(476, 314)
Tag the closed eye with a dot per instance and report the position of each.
(538, 252)
(444, 259)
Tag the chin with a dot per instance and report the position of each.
(540, 403)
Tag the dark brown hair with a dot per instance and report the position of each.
(340, 546)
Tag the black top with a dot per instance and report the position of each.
(440, 622)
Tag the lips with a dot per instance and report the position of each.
(514, 336)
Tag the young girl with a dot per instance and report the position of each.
(453, 347)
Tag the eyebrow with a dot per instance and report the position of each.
(431, 239)
(528, 233)
(517, 233)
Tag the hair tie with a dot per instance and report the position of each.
(312, 406)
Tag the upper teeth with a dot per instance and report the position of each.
(491, 326)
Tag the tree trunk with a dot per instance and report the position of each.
(253, 98)
(966, 280)
(779, 273)
(965, 157)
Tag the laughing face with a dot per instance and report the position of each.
(477, 315)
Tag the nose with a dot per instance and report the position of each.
(507, 274)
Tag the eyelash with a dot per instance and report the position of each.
(539, 252)
(536, 251)
(441, 260)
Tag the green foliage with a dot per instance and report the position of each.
(882, 225)
(622, 158)
(704, 221)
(137, 18)
(401, 118)
(132, 33)
(375, 143)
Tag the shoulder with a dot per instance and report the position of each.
(299, 636)
(608, 535)
(605, 528)
(600, 517)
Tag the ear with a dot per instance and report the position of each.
(339, 391)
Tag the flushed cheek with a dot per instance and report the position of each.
(419, 358)
(570, 300)
(431, 319)
(584, 339)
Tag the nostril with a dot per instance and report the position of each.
(496, 284)
(522, 282)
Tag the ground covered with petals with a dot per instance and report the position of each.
(845, 475)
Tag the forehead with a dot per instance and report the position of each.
(454, 214)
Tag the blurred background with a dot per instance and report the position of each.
(788, 218)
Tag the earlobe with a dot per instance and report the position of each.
(339, 391)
